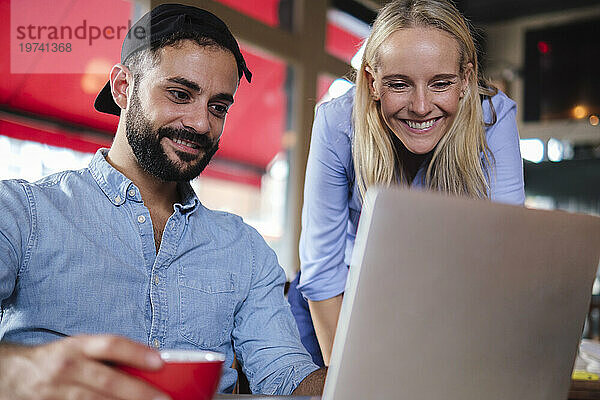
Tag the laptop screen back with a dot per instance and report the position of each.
(462, 299)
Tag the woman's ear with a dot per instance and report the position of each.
(370, 75)
(467, 76)
(120, 81)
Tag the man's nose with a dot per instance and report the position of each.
(198, 119)
(420, 103)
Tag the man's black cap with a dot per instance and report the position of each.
(161, 23)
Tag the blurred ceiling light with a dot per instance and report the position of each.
(594, 120)
(580, 112)
(555, 150)
(339, 87)
(532, 150)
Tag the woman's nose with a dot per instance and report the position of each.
(420, 103)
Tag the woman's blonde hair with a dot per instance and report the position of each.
(455, 166)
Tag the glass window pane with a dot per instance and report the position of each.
(323, 83)
(25, 159)
(266, 11)
(344, 34)
(329, 87)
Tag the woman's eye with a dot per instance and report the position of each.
(441, 85)
(397, 85)
(179, 95)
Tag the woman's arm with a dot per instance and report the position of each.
(325, 216)
(325, 314)
(325, 212)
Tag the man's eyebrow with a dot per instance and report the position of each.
(195, 87)
(223, 97)
(185, 82)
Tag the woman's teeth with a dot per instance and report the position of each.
(421, 125)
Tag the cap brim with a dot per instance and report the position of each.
(105, 103)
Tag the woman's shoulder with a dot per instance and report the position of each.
(336, 115)
(503, 105)
(503, 131)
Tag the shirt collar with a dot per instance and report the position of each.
(189, 199)
(117, 186)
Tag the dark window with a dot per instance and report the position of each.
(562, 72)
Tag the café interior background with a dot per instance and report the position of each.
(543, 53)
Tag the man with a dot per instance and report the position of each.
(125, 247)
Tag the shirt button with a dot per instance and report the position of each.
(173, 226)
(141, 219)
(156, 343)
(132, 192)
(156, 280)
(117, 199)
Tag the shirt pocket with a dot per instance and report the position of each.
(206, 306)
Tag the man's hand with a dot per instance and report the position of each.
(76, 368)
(313, 384)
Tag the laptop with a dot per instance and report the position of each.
(461, 299)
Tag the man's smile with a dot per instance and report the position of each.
(185, 141)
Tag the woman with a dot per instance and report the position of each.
(420, 116)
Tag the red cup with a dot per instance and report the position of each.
(186, 374)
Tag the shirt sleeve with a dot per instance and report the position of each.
(265, 335)
(506, 175)
(15, 233)
(325, 211)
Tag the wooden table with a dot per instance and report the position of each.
(580, 390)
(584, 390)
(260, 397)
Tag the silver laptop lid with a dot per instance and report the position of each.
(462, 299)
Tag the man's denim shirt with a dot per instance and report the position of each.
(78, 257)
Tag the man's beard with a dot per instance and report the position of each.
(145, 144)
